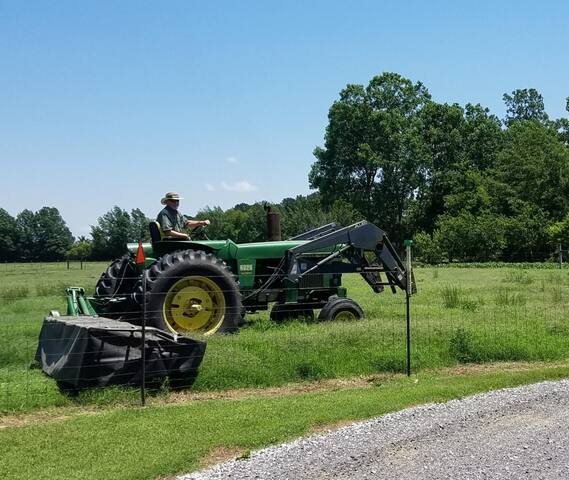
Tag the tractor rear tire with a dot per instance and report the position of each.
(281, 312)
(119, 278)
(341, 309)
(192, 292)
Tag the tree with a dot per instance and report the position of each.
(562, 126)
(216, 215)
(242, 223)
(303, 213)
(533, 167)
(482, 137)
(527, 233)
(80, 250)
(374, 155)
(53, 238)
(470, 237)
(113, 232)
(139, 226)
(442, 131)
(42, 236)
(27, 235)
(524, 104)
(8, 237)
(558, 232)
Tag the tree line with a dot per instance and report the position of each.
(463, 183)
(44, 236)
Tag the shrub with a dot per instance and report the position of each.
(461, 347)
(428, 248)
(451, 296)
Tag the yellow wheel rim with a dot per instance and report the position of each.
(345, 315)
(194, 304)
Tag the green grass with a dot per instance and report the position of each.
(144, 443)
(459, 315)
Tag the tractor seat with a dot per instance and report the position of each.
(156, 234)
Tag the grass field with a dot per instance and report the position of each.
(460, 315)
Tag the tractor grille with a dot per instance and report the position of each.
(314, 280)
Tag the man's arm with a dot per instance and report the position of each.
(197, 223)
(174, 233)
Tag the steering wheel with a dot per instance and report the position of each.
(199, 232)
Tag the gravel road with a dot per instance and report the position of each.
(506, 434)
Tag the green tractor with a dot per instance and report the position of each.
(208, 286)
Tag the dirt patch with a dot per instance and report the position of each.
(327, 427)
(471, 368)
(220, 455)
(54, 414)
(290, 389)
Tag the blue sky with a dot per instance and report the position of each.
(114, 103)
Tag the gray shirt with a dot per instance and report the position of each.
(171, 219)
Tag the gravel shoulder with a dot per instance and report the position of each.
(506, 434)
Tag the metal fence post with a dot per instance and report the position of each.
(143, 341)
(408, 288)
(560, 256)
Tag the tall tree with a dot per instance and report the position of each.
(482, 137)
(533, 167)
(301, 214)
(139, 226)
(8, 236)
(53, 237)
(442, 130)
(562, 125)
(374, 156)
(111, 234)
(27, 235)
(524, 104)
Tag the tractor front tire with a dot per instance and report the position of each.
(192, 292)
(341, 309)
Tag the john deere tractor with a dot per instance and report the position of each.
(208, 286)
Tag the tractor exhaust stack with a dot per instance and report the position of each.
(273, 225)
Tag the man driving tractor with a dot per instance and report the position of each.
(172, 222)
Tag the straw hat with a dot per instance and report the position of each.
(171, 196)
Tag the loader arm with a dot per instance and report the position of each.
(351, 243)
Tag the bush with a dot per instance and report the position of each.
(461, 347)
(472, 237)
(452, 296)
(427, 248)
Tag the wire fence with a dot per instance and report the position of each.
(458, 316)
